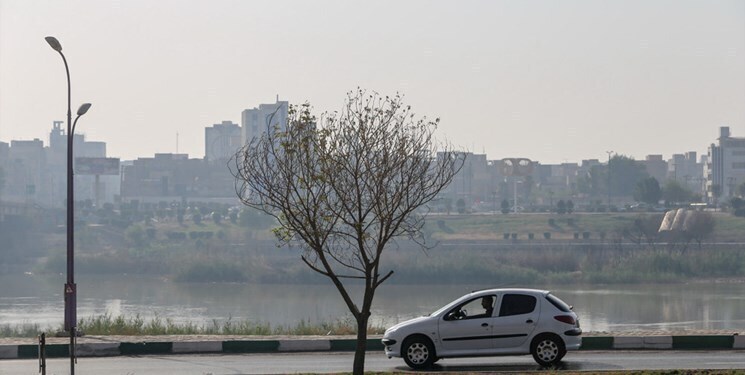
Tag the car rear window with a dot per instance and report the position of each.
(561, 305)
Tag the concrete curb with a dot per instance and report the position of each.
(703, 342)
(197, 347)
(689, 342)
(739, 342)
(181, 347)
(643, 342)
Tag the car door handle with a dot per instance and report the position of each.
(484, 324)
(529, 321)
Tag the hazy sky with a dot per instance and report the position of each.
(549, 80)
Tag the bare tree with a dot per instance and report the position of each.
(345, 186)
(682, 226)
(644, 231)
(699, 227)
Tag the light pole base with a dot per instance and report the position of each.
(70, 306)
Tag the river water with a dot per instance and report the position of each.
(32, 299)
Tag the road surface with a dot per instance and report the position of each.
(332, 362)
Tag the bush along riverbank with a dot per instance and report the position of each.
(507, 249)
(484, 262)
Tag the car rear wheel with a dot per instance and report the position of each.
(547, 350)
(418, 352)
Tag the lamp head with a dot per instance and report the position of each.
(54, 43)
(84, 108)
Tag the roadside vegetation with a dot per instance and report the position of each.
(109, 325)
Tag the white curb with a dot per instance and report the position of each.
(658, 342)
(303, 345)
(628, 342)
(739, 342)
(197, 347)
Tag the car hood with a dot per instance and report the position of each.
(408, 323)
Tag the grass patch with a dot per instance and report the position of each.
(20, 330)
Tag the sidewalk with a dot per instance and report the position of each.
(100, 346)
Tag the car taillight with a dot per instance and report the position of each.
(565, 319)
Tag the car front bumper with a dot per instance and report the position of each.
(391, 347)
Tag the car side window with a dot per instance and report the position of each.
(516, 304)
(481, 307)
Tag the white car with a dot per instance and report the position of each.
(489, 323)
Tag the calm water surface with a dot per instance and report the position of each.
(38, 300)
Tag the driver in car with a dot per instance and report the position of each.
(487, 302)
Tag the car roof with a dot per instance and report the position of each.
(509, 290)
(483, 292)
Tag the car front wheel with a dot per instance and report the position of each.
(418, 352)
(547, 350)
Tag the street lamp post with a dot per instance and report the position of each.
(70, 287)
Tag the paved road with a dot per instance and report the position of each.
(342, 362)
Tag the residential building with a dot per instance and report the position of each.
(222, 141)
(37, 174)
(656, 167)
(687, 170)
(99, 189)
(725, 167)
(176, 177)
(25, 177)
(256, 121)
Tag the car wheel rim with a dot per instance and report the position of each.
(547, 350)
(417, 353)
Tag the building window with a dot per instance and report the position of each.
(738, 165)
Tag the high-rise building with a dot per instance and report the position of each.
(221, 141)
(256, 121)
(725, 168)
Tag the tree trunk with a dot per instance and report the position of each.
(359, 354)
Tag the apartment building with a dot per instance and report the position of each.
(725, 167)
(221, 141)
(256, 121)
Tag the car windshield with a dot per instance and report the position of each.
(446, 307)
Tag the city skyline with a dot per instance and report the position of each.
(550, 81)
(47, 143)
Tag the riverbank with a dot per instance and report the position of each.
(97, 346)
(620, 247)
